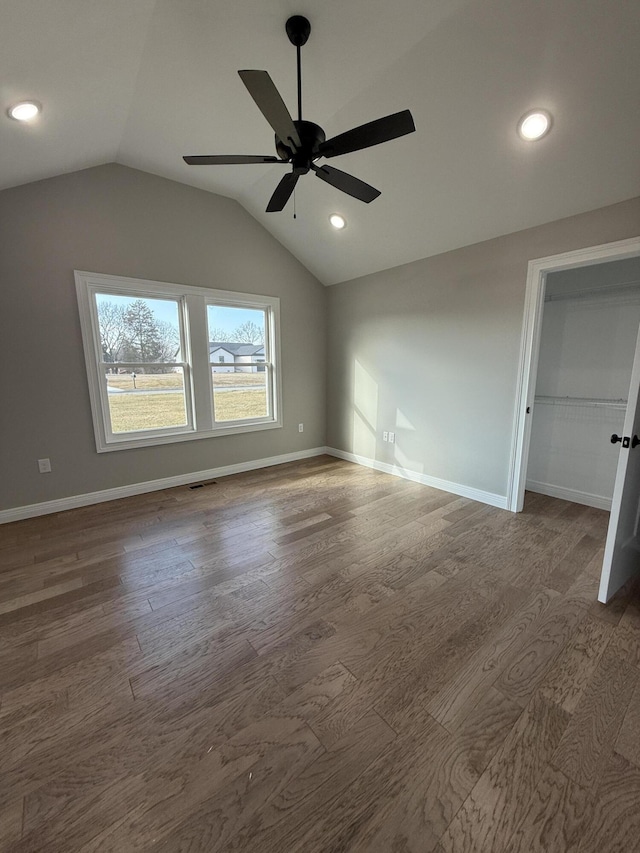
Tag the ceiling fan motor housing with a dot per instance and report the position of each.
(311, 136)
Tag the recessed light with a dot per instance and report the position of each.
(24, 111)
(337, 221)
(534, 125)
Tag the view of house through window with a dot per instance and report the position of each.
(141, 348)
(237, 339)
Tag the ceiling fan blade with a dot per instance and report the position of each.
(282, 193)
(263, 91)
(366, 135)
(347, 183)
(229, 159)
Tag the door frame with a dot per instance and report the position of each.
(537, 272)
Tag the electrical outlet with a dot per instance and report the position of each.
(392, 438)
(385, 436)
(44, 466)
(300, 427)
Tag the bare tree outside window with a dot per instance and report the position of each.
(219, 335)
(112, 329)
(248, 333)
(169, 340)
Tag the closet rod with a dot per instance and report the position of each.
(594, 291)
(595, 402)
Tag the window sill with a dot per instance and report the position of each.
(103, 446)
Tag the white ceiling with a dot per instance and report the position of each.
(142, 82)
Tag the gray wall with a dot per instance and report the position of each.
(116, 220)
(430, 350)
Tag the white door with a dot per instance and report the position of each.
(622, 551)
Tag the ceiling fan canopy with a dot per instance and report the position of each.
(301, 143)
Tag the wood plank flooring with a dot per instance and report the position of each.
(316, 658)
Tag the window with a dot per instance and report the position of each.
(153, 373)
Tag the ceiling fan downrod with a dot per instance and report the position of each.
(298, 29)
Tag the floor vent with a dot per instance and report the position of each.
(202, 485)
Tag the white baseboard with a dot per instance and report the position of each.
(89, 498)
(597, 501)
(489, 498)
(61, 504)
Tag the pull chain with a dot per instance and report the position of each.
(294, 205)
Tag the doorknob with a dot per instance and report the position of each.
(626, 441)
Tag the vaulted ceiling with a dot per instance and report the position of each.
(142, 82)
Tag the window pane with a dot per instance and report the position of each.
(141, 329)
(237, 338)
(239, 395)
(146, 400)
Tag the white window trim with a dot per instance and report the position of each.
(198, 386)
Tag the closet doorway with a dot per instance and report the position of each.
(577, 371)
(588, 339)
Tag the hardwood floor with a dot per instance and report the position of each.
(316, 657)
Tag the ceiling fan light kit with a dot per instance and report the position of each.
(301, 143)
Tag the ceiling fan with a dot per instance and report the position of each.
(300, 143)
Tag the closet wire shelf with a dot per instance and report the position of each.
(586, 402)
